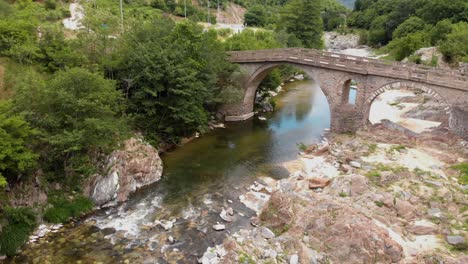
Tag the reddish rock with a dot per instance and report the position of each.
(422, 230)
(359, 185)
(404, 209)
(316, 183)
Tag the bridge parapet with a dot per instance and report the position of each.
(355, 64)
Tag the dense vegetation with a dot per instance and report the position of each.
(407, 25)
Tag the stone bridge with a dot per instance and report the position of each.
(334, 72)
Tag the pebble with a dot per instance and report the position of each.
(434, 212)
(455, 240)
(230, 211)
(355, 164)
(219, 227)
(294, 259)
(267, 233)
(224, 215)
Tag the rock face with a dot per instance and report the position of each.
(137, 165)
(336, 41)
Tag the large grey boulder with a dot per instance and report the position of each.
(138, 164)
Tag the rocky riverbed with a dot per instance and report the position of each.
(378, 196)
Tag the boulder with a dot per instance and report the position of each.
(138, 164)
(359, 185)
(267, 233)
(455, 240)
(316, 183)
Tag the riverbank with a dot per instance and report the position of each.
(378, 196)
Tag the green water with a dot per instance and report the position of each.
(200, 179)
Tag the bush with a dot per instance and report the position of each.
(411, 25)
(463, 169)
(62, 209)
(50, 4)
(21, 223)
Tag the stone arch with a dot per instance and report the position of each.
(406, 85)
(261, 72)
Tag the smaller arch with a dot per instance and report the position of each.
(404, 85)
(349, 92)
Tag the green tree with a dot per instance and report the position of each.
(303, 19)
(255, 16)
(172, 74)
(440, 31)
(77, 113)
(403, 47)
(16, 156)
(253, 40)
(435, 10)
(455, 48)
(411, 25)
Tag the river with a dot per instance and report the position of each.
(200, 179)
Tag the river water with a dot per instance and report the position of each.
(200, 179)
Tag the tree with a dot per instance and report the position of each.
(172, 74)
(77, 113)
(411, 25)
(403, 47)
(255, 16)
(455, 48)
(436, 10)
(16, 156)
(303, 19)
(440, 31)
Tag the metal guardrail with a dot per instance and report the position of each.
(349, 63)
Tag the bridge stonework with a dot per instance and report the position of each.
(332, 71)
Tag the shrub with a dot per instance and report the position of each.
(50, 4)
(62, 209)
(463, 169)
(301, 146)
(21, 223)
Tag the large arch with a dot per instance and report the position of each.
(260, 73)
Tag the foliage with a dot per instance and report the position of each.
(253, 40)
(21, 222)
(62, 209)
(77, 113)
(255, 16)
(463, 169)
(403, 47)
(16, 156)
(384, 17)
(172, 74)
(333, 14)
(411, 25)
(455, 48)
(302, 18)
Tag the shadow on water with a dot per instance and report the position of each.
(200, 179)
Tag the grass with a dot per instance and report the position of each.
(379, 203)
(301, 146)
(62, 209)
(21, 223)
(244, 258)
(373, 174)
(343, 194)
(397, 148)
(463, 169)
